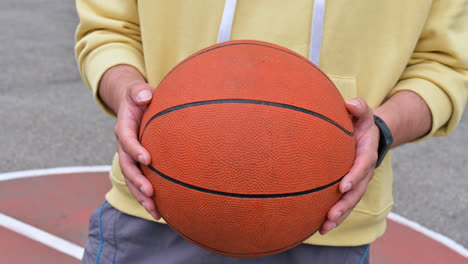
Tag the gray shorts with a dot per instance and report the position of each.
(115, 237)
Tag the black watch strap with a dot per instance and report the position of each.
(385, 141)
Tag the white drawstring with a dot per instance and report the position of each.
(316, 31)
(318, 15)
(224, 33)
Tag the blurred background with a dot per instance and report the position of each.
(48, 119)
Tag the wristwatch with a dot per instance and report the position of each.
(385, 141)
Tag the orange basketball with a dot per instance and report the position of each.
(248, 142)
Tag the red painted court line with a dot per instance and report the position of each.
(61, 205)
(15, 248)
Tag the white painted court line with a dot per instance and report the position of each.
(40, 236)
(34, 233)
(52, 171)
(448, 242)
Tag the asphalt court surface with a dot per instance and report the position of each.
(49, 119)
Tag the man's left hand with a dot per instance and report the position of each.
(354, 184)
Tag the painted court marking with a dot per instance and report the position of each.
(446, 241)
(40, 236)
(75, 251)
(52, 171)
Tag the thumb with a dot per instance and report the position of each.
(359, 109)
(362, 114)
(140, 93)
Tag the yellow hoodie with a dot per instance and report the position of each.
(370, 49)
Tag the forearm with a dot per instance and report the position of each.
(407, 116)
(115, 81)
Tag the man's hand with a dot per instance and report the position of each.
(354, 184)
(407, 116)
(124, 90)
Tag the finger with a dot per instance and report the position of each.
(364, 163)
(348, 202)
(138, 185)
(134, 175)
(145, 201)
(140, 93)
(341, 210)
(366, 158)
(362, 166)
(125, 131)
(329, 225)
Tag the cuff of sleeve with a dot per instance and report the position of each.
(104, 58)
(436, 99)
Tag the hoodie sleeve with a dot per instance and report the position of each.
(438, 68)
(108, 35)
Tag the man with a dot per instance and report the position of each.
(403, 61)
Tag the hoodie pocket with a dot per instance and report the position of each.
(346, 86)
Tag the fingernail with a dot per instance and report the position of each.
(141, 159)
(336, 216)
(144, 95)
(347, 187)
(144, 191)
(325, 231)
(354, 102)
(145, 205)
(153, 214)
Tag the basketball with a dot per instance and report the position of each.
(248, 142)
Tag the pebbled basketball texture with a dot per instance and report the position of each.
(248, 143)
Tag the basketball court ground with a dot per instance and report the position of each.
(49, 120)
(56, 233)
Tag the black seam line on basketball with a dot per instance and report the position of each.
(246, 101)
(234, 253)
(242, 195)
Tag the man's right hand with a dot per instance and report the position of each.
(124, 90)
